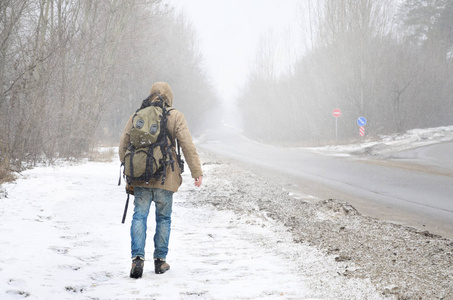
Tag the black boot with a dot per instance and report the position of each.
(137, 267)
(160, 266)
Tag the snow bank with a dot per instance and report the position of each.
(391, 144)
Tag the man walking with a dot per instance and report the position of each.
(154, 190)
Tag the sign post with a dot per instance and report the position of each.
(336, 113)
(361, 121)
(362, 131)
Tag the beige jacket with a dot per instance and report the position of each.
(178, 129)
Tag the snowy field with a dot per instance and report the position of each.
(62, 238)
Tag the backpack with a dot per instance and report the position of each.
(149, 151)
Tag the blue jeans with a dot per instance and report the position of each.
(142, 202)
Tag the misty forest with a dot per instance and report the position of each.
(389, 61)
(72, 72)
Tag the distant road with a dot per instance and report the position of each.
(397, 191)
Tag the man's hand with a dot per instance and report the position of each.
(198, 181)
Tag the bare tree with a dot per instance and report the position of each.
(358, 60)
(65, 64)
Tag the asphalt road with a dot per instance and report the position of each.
(414, 188)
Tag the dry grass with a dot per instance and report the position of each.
(101, 154)
(6, 175)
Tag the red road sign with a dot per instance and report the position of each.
(362, 131)
(336, 113)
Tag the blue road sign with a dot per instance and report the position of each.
(361, 121)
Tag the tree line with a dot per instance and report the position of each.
(389, 61)
(72, 72)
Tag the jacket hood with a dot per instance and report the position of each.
(164, 90)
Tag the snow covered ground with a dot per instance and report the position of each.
(393, 146)
(61, 237)
(238, 237)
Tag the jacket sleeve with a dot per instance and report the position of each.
(125, 140)
(184, 137)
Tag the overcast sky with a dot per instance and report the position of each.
(229, 32)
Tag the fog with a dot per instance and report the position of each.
(229, 34)
(294, 62)
(73, 72)
(255, 79)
